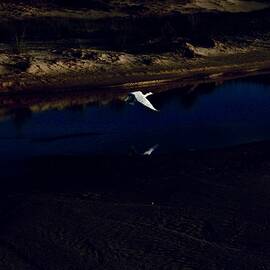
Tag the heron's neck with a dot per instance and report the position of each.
(148, 94)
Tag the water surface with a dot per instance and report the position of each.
(210, 116)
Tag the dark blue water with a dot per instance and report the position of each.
(236, 112)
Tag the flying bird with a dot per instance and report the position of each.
(141, 98)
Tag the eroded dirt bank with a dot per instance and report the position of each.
(54, 45)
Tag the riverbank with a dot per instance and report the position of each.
(53, 47)
(80, 186)
(52, 71)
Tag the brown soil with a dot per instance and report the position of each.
(50, 46)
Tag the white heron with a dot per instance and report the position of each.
(141, 98)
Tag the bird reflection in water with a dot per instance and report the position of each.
(133, 151)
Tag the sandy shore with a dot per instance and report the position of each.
(191, 210)
(51, 71)
(59, 47)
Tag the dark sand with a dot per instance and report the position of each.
(191, 210)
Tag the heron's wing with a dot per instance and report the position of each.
(144, 101)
